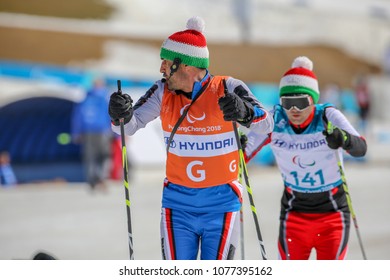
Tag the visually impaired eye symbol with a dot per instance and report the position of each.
(297, 160)
(191, 118)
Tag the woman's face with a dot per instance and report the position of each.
(297, 107)
(298, 117)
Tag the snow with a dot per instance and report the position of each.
(71, 223)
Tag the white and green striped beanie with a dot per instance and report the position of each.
(188, 45)
(300, 79)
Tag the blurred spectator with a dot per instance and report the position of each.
(242, 10)
(332, 94)
(386, 61)
(363, 99)
(91, 127)
(116, 172)
(7, 175)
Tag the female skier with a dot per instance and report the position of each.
(305, 139)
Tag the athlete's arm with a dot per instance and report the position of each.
(356, 145)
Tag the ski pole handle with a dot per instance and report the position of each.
(225, 89)
(119, 86)
(330, 128)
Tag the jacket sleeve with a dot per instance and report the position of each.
(356, 146)
(261, 122)
(254, 144)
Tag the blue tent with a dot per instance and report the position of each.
(34, 131)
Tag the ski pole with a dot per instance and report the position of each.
(242, 243)
(330, 129)
(125, 180)
(248, 186)
(250, 194)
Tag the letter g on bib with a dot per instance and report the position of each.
(194, 173)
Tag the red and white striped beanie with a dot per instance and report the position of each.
(300, 79)
(188, 45)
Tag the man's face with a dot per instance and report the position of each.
(178, 79)
(297, 107)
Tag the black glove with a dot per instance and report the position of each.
(236, 109)
(120, 106)
(336, 138)
(243, 141)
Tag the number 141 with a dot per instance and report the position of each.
(309, 178)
